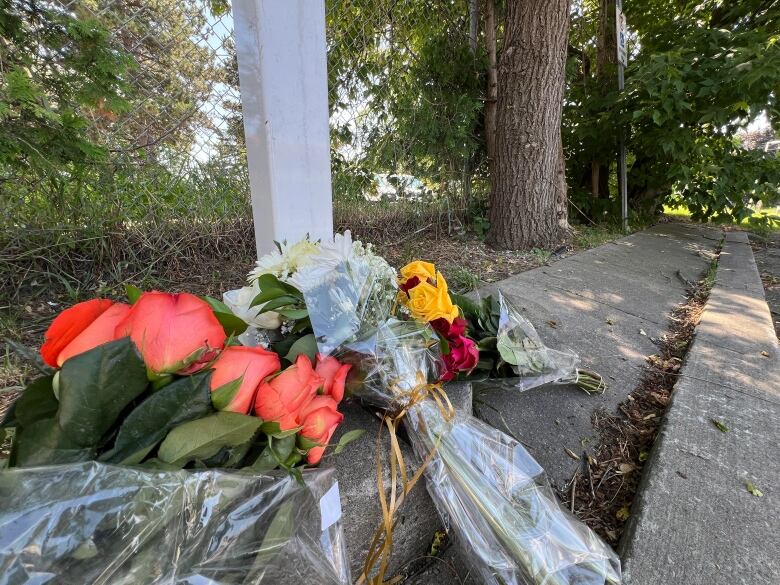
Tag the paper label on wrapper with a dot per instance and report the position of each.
(330, 507)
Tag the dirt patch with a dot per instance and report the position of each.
(603, 488)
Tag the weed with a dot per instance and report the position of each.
(541, 256)
(590, 236)
(463, 280)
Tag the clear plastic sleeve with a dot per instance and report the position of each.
(498, 505)
(533, 362)
(91, 523)
(493, 496)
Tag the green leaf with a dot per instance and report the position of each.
(202, 438)
(183, 400)
(36, 402)
(96, 386)
(277, 536)
(264, 462)
(45, 443)
(231, 324)
(719, 425)
(222, 396)
(133, 293)
(269, 281)
(268, 295)
(294, 313)
(306, 345)
(282, 448)
(754, 490)
(282, 301)
(470, 308)
(347, 438)
(272, 429)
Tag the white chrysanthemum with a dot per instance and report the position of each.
(343, 250)
(287, 262)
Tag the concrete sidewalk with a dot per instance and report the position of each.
(695, 521)
(609, 305)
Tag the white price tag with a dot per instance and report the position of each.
(330, 507)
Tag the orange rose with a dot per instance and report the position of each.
(319, 419)
(80, 328)
(172, 331)
(282, 398)
(334, 374)
(239, 370)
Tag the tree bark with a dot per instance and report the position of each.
(492, 85)
(606, 63)
(528, 204)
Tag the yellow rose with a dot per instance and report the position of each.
(424, 271)
(428, 303)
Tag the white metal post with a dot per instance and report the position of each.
(282, 69)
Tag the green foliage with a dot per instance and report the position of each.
(59, 71)
(698, 73)
(407, 89)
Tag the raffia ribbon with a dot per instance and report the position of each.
(382, 543)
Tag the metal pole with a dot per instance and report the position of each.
(621, 63)
(284, 98)
(622, 175)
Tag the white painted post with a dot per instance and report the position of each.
(282, 70)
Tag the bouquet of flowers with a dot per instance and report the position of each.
(403, 337)
(161, 383)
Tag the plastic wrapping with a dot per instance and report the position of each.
(91, 523)
(490, 492)
(497, 503)
(533, 362)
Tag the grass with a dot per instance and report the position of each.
(591, 236)
(763, 223)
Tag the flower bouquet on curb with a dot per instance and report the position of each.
(510, 348)
(157, 449)
(403, 339)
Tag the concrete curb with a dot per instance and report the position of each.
(694, 520)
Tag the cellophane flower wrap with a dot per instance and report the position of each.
(492, 495)
(95, 523)
(511, 353)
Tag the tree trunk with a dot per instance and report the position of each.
(492, 85)
(528, 204)
(606, 64)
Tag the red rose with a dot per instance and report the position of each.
(463, 357)
(80, 328)
(319, 420)
(449, 330)
(172, 331)
(409, 284)
(241, 370)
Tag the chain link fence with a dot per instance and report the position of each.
(404, 90)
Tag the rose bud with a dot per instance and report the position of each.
(449, 330)
(172, 331)
(237, 374)
(334, 373)
(80, 328)
(281, 398)
(319, 419)
(463, 357)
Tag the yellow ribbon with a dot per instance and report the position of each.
(382, 544)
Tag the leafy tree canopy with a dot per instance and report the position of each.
(698, 73)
